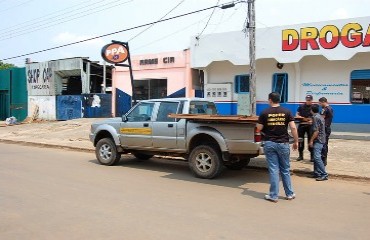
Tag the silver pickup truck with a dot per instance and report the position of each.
(147, 130)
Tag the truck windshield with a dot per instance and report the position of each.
(198, 107)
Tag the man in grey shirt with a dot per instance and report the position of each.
(317, 142)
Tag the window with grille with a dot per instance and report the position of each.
(280, 85)
(241, 84)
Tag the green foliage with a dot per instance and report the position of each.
(4, 66)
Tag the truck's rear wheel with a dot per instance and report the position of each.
(242, 163)
(205, 162)
(106, 152)
(142, 156)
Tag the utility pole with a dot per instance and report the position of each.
(104, 77)
(252, 55)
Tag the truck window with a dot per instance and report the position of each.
(208, 108)
(141, 113)
(166, 108)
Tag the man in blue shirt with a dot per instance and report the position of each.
(317, 142)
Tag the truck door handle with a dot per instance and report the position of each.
(170, 125)
(146, 124)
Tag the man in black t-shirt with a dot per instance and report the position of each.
(304, 127)
(327, 113)
(273, 124)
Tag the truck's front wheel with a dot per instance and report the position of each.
(106, 152)
(205, 162)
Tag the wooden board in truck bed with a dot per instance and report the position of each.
(217, 118)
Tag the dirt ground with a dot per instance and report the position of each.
(346, 157)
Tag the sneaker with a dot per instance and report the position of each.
(321, 178)
(269, 198)
(291, 197)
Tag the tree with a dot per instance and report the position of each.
(4, 66)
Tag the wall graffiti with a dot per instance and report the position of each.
(319, 89)
(39, 79)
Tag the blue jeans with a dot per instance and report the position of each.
(318, 165)
(278, 159)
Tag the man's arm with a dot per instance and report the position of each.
(293, 129)
(313, 137)
(259, 127)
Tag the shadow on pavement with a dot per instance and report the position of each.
(179, 170)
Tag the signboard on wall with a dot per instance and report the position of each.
(218, 91)
(40, 79)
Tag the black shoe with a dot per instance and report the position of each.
(312, 176)
(300, 158)
(322, 179)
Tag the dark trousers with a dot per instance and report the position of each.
(325, 149)
(304, 129)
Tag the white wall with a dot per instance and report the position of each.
(46, 105)
(312, 75)
(225, 72)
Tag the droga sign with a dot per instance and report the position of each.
(114, 53)
(351, 35)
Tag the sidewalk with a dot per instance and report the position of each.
(348, 152)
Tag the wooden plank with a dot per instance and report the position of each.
(216, 118)
(221, 118)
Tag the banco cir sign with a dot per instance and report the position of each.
(351, 35)
(114, 53)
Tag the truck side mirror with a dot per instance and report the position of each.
(124, 118)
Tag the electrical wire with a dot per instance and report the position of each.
(209, 19)
(123, 30)
(159, 19)
(43, 18)
(68, 20)
(6, 9)
(171, 34)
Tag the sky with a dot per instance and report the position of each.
(32, 25)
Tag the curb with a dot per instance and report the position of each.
(297, 172)
(350, 137)
(46, 145)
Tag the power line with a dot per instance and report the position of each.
(68, 19)
(6, 9)
(159, 19)
(32, 21)
(171, 34)
(224, 6)
(209, 19)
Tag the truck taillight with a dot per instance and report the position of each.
(257, 135)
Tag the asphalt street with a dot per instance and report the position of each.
(59, 194)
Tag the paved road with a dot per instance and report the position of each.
(56, 194)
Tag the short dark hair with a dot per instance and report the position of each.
(315, 108)
(323, 100)
(274, 97)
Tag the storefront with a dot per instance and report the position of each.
(67, 89)
(324, 59)
(155, 76)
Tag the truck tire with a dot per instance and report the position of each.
(106, 152)
(205, 162)
(142, 156)
(242, 163)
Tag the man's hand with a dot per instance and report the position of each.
(295, 146)
(311, 144)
